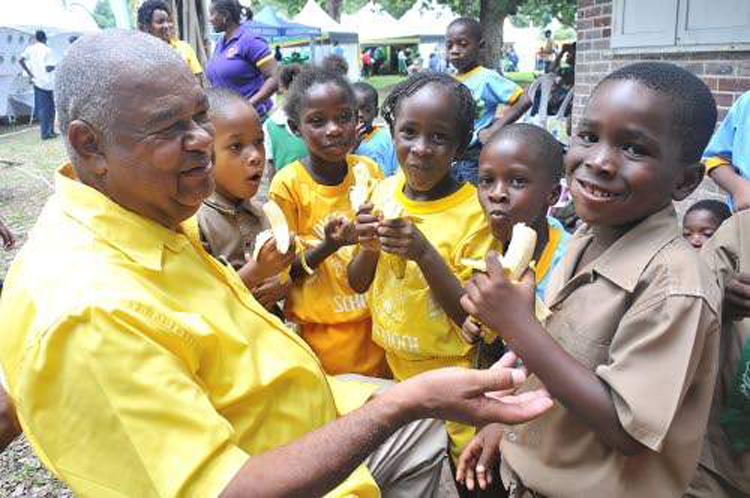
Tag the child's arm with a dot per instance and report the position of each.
(566, 379)
(738, 187)
(403, 238)
(269, 264)
(339, 232)
(361, 269)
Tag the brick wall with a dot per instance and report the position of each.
(727, 74)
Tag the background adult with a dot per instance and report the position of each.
(39, 62)
(155, 18)
(241, 61)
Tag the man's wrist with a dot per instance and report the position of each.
(399, 405)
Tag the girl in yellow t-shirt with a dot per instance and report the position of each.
(313, 193)
(406, 260)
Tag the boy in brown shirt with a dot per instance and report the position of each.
(724, 466)
(630, 350)
(229, 220)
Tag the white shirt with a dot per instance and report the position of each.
(38, 56)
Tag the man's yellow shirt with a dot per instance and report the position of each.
(141, 366)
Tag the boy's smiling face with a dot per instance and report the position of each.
(624, 162)
(514, 187)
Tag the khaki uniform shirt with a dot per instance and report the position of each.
(727, 253)
(228, 230)
(644, 317)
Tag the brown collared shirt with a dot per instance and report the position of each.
(644, 317)
(727, 253)
(228, 230)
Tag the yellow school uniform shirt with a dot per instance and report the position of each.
(188, 55)
(333, 319)
(141, 366)
(408, 323)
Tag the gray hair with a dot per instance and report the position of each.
(87, 77)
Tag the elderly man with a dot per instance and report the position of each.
(140, 366)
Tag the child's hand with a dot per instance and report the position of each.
(271, 291)
(271, 262)
(367, 228)
(401, 237)
(737, 297)
(481, 458)
(7, 237)
(340, 232)
(484, 292)
(471, 331)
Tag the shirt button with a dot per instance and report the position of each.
(511, 436)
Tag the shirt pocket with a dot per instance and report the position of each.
(591, 349)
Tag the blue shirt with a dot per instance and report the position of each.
(558, 245)
(489, 90)
(731, 142)
(235, 64)
(378, 146)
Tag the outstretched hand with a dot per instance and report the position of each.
(271, 262)
(340, 232)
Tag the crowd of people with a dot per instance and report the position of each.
(161, 339)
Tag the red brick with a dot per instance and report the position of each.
(607, 33)
(582, 4)
(724, 99)
(584, 24)
(607, 9)
(602, 21)
(592, 12)
(734, 84)
(711, 83)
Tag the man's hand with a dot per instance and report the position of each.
(340, 232)
(401, 237)
(271, 291)
(366, 227)
(461, 395)
(9, 241)
(737, 297)
(485, 291)
(9, 427)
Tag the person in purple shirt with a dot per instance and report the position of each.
(241, 61)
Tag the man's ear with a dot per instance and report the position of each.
(293, 126)
(692, 176)
(87, 144)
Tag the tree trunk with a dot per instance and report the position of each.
(334, 9)
(492, 14)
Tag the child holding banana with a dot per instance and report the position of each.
(229, 220)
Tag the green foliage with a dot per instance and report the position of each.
(541, 12)
(103, 15)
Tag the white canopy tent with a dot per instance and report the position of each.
(313, 14)
(19, 22)
(372, 22)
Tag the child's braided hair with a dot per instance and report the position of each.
(465, 110)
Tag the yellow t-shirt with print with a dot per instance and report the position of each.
(333, 318)
(408, 323)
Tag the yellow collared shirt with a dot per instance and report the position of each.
(141, 366)
(188, 55)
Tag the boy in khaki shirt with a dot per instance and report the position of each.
(631, 348)
(724, 466)
(229, 219)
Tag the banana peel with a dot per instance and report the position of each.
(516, 260)
(279, 226)
(364, 184)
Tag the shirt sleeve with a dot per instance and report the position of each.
(281, 192)
(254, 49)
(664, 340)
(111, 400)
(503, 90)
(719, 150)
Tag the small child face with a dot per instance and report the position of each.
(367, 110)
(462, 47)
(513, 186)
(239, 152)
(698, 226)
(624, 162)
(328, 122)
(425, 137)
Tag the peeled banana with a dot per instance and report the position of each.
(516, 260)
(362, 188)
(279, 226)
